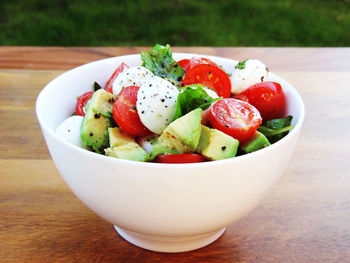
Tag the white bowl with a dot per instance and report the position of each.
(161, 207)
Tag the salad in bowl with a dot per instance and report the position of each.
(179, 111)
(170, 148)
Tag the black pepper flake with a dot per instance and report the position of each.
(206, 100)
(162, 100)
(170, 97)
(163, 65)
(150, 85)
(91, 134)
(223, 148)
(133, 107)
(179, 78)
(144, 97)
(182, 85)
(175, 66)
(209, 73)
(143, 91)
(226, 125)
(143, 112)
(127, 73)
(134, 83)
(166, 106)
(111, 100)
(97, 116)
(101, 148)
(262, 78)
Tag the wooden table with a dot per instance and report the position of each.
(306, 218)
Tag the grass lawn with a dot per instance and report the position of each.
(181, 22)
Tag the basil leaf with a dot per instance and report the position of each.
(276, 129)
(160, 62)
(241, 65)
(192, 97)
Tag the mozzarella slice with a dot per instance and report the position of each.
(69, 130)
(134, 76)
(254, 71)
(156, 104)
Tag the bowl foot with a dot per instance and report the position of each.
(170, 244)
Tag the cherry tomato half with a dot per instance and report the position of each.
(187, 64)
(81, 103)
(210, 76)
(241, 97)
(234, 117)
(179, 158)
(184, 63)
(109, 85)
(125, 113)
(268, 97)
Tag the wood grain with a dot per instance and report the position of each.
(20, 135)
(277, 59)
(306, 218)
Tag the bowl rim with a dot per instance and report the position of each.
(232, 160)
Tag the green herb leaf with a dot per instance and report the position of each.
(97, 86)
(241, 65)
(159, 60)
(276, 129)
(192, 97)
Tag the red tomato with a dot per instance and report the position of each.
(184, 63)
(210, 76)
(81, 103)
(121, 68)
(179, 158)
(241, 97)
(187, 64)
(268, 97)
(125, 113)
(236, 118)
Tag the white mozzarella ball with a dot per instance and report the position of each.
(134, 76)
(156, 104)
(211, 93)
(253, 71)
(69, 130)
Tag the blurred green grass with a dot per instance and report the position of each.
(181, 23)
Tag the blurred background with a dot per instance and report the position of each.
(181, 22)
